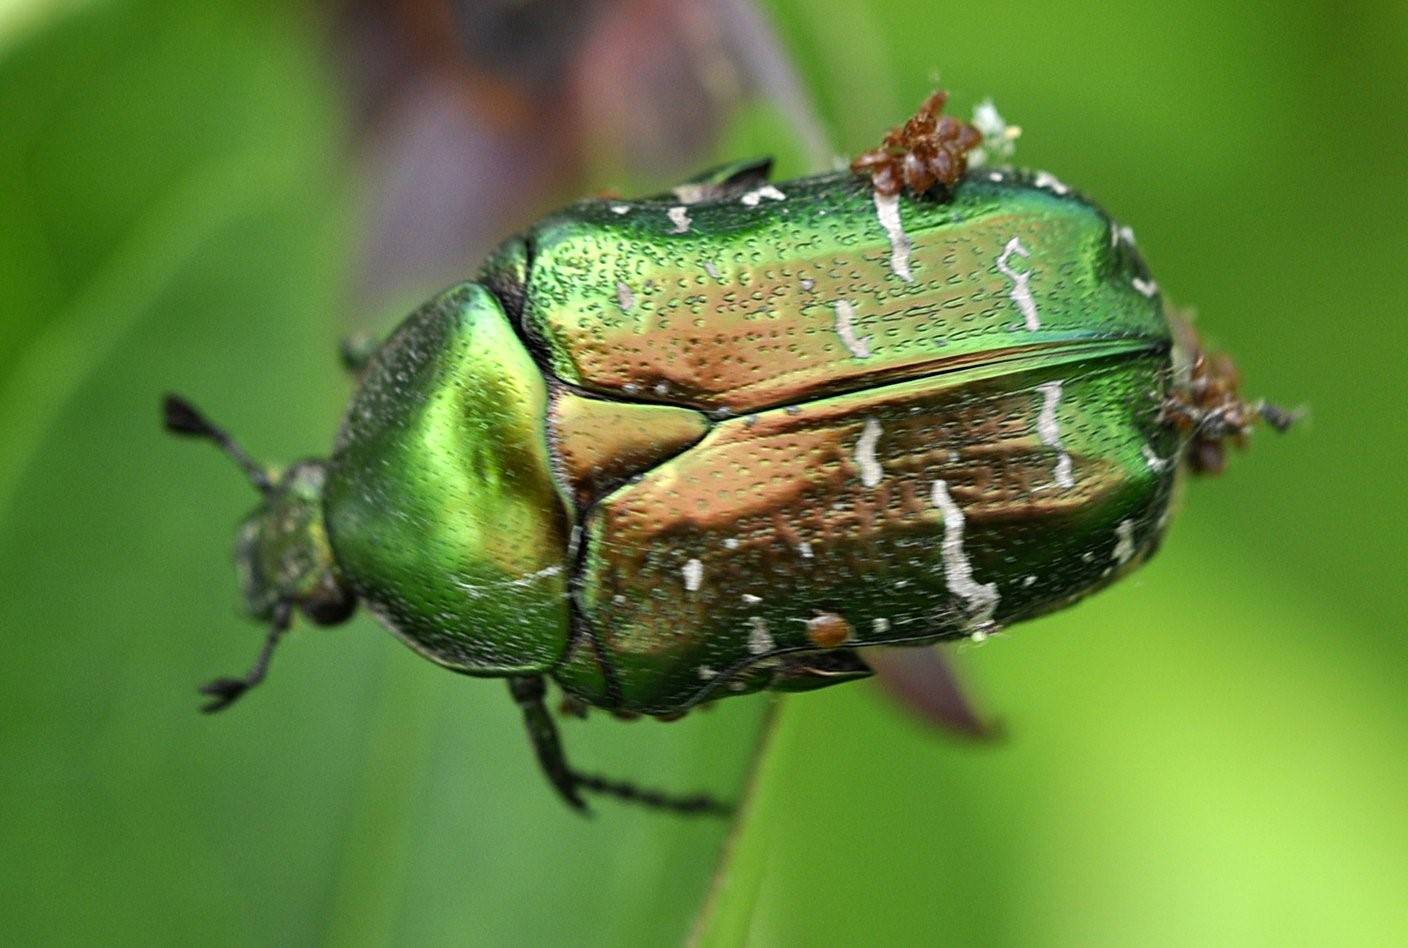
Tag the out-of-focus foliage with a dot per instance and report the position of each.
(1212, 751)
(174, 215)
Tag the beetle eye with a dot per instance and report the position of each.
(331, 605)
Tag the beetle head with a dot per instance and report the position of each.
(1205, 405)
(282, 553)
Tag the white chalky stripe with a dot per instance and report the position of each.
(526, 580)
(1124, 549)
(870, 470)
(845, 316)
(887, 209)
(693, 575)
(1049, 430)
(752, 198)
(958, 572)
(759, 639)
(1021, 293)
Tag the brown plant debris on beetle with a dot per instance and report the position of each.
(1209, 410)
(928, 150)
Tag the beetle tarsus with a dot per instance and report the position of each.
(224, 692)
(529, 692)
(700, 804)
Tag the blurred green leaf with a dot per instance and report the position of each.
(1174, 775)
(176, 217)
(1212, 751)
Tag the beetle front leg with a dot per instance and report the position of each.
(542, 731)
(224, 692)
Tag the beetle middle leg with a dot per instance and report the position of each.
(528, 693)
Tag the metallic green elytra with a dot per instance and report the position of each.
(664, 451)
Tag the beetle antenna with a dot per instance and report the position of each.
(182, 419)
(224, 692)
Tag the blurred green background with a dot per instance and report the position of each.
(206, 197)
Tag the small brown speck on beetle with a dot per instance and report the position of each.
(828, 630)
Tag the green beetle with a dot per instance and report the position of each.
(668, 450)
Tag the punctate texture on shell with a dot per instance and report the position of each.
(925, 421)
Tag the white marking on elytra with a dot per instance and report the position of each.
(880, 626)
(528, 579)
(1045, 179)
(958, 571)
(711, 269)
(979, 636)
(691, 193)
(995, 177)
(731, 543)
(1049, 430)
(620, 208)
(661, 388)
(679, 216)
(1021, 293)
(751, 599)
(887, 209)
(706, 673)
(624, 296)
(805, 549)
(1124, 549)
(752, 198)
(807, 284)
(759, 639)
(693, 575)
(1028, 582)
(845, 315)
(1147, 287)
(1119, 232)
(870, 471)
(1155, 462)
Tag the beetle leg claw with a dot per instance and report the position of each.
(223, 692)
